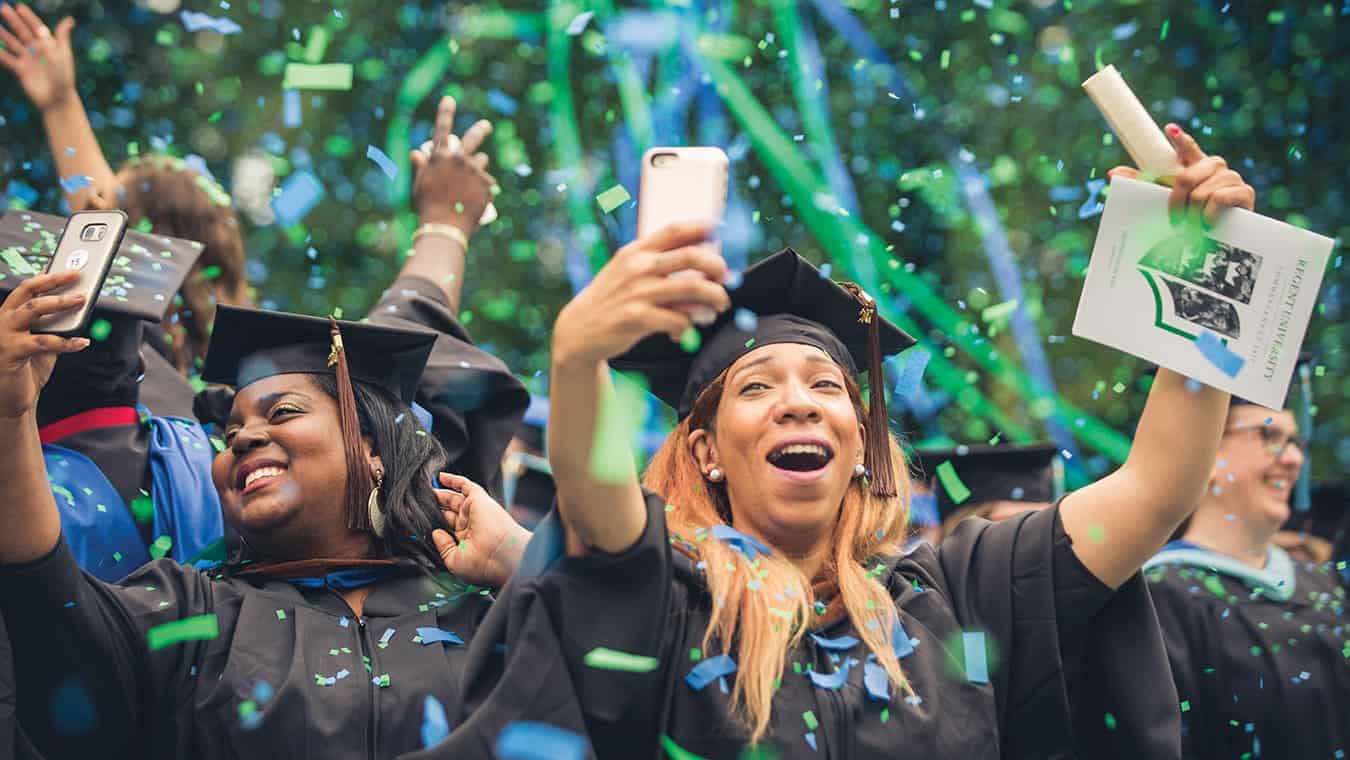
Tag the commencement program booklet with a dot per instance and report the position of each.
(1227, 306)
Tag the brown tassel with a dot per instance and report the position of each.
(358, 471)
(877, 447)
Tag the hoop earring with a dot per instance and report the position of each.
(715, 475)
(373, 506)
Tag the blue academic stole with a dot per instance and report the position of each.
(98, 525)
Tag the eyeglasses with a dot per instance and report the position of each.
(1274, 439)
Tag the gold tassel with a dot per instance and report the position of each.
(877, 447)
(358, 472)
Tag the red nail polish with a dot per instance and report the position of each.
(1173, 130)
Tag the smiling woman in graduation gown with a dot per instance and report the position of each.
(333, 632)
(765, 557)
(1259, 642)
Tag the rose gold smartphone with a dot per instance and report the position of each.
(89, 244)
(683, 184)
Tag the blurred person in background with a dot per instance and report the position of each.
(992, 482)
(159, 193)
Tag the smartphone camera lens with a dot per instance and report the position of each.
(93, 232)
(662, 160)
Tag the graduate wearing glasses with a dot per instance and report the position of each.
(1258, 641)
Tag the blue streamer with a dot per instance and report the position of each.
(435, 725)
(1218, 354)
(877, 683)
(527, 740)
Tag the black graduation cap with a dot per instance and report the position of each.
(781, 299)
(248, 345)
(148, 270)
(1005, 472)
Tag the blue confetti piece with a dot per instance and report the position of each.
(750, 546)
(20, 191)
(527, 740)
(710, 670)
(811, 739)
(262, 691)
(877, 683)
(435, 726)
(195, 22)
(430, 635)
(388, 634)
(77, 182)
(746, 321)
(832, 681)
(977, 661)
(900, 641)
(386, 164)
(502, 103)
(841, 644)
(825, 270)
(198, 164)
(301, 192)
(344, 622)
(907, 385)
(290, 108)
(923, 510)
(1218, 354)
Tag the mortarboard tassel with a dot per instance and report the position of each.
(877, 447)
(358, 474)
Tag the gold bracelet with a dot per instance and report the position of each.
(443, 230)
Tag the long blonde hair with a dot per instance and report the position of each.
(763, 608)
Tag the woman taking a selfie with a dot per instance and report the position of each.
(760, 576)
(333, 631)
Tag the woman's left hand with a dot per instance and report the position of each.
(451, 184)
(487, 543)
(1205, 184)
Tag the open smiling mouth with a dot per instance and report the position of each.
(256, 476)
(801, 457)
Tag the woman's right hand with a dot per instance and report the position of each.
(27, 358)
(43, 62)
(633, 296)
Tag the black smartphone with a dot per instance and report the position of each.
(89, 244)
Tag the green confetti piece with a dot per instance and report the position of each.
(676, 752)
(317, 44)
(952, 482)
(382, 681)
(885, 714)
(117, 556)
(1110, 722)
(100, 330)
(603, 658)
(1096, 534)
(1185, 705)
(198, 628)
(613, 198)
(811, 722)
(281, 614)
(161, 547)
(1162, 35)
(999, 312)
(695, 654)
(690, 340)
(17, 262)
(143, 507)
(621, 418)
(317, 76)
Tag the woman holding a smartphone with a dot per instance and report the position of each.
(756, 588)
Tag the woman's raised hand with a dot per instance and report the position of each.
(27, 358)
(487, 543)
(43, 62)
(451, 184)
(1205, 185)
(633, 296)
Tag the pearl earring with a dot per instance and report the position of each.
(715, 475)
(859, 470)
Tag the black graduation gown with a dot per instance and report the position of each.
(90, 686)
(1259, 677)
(1070, 652)
(164, 390)
(476, 404)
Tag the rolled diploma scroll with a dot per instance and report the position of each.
(1135, 129)
(489, 213)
